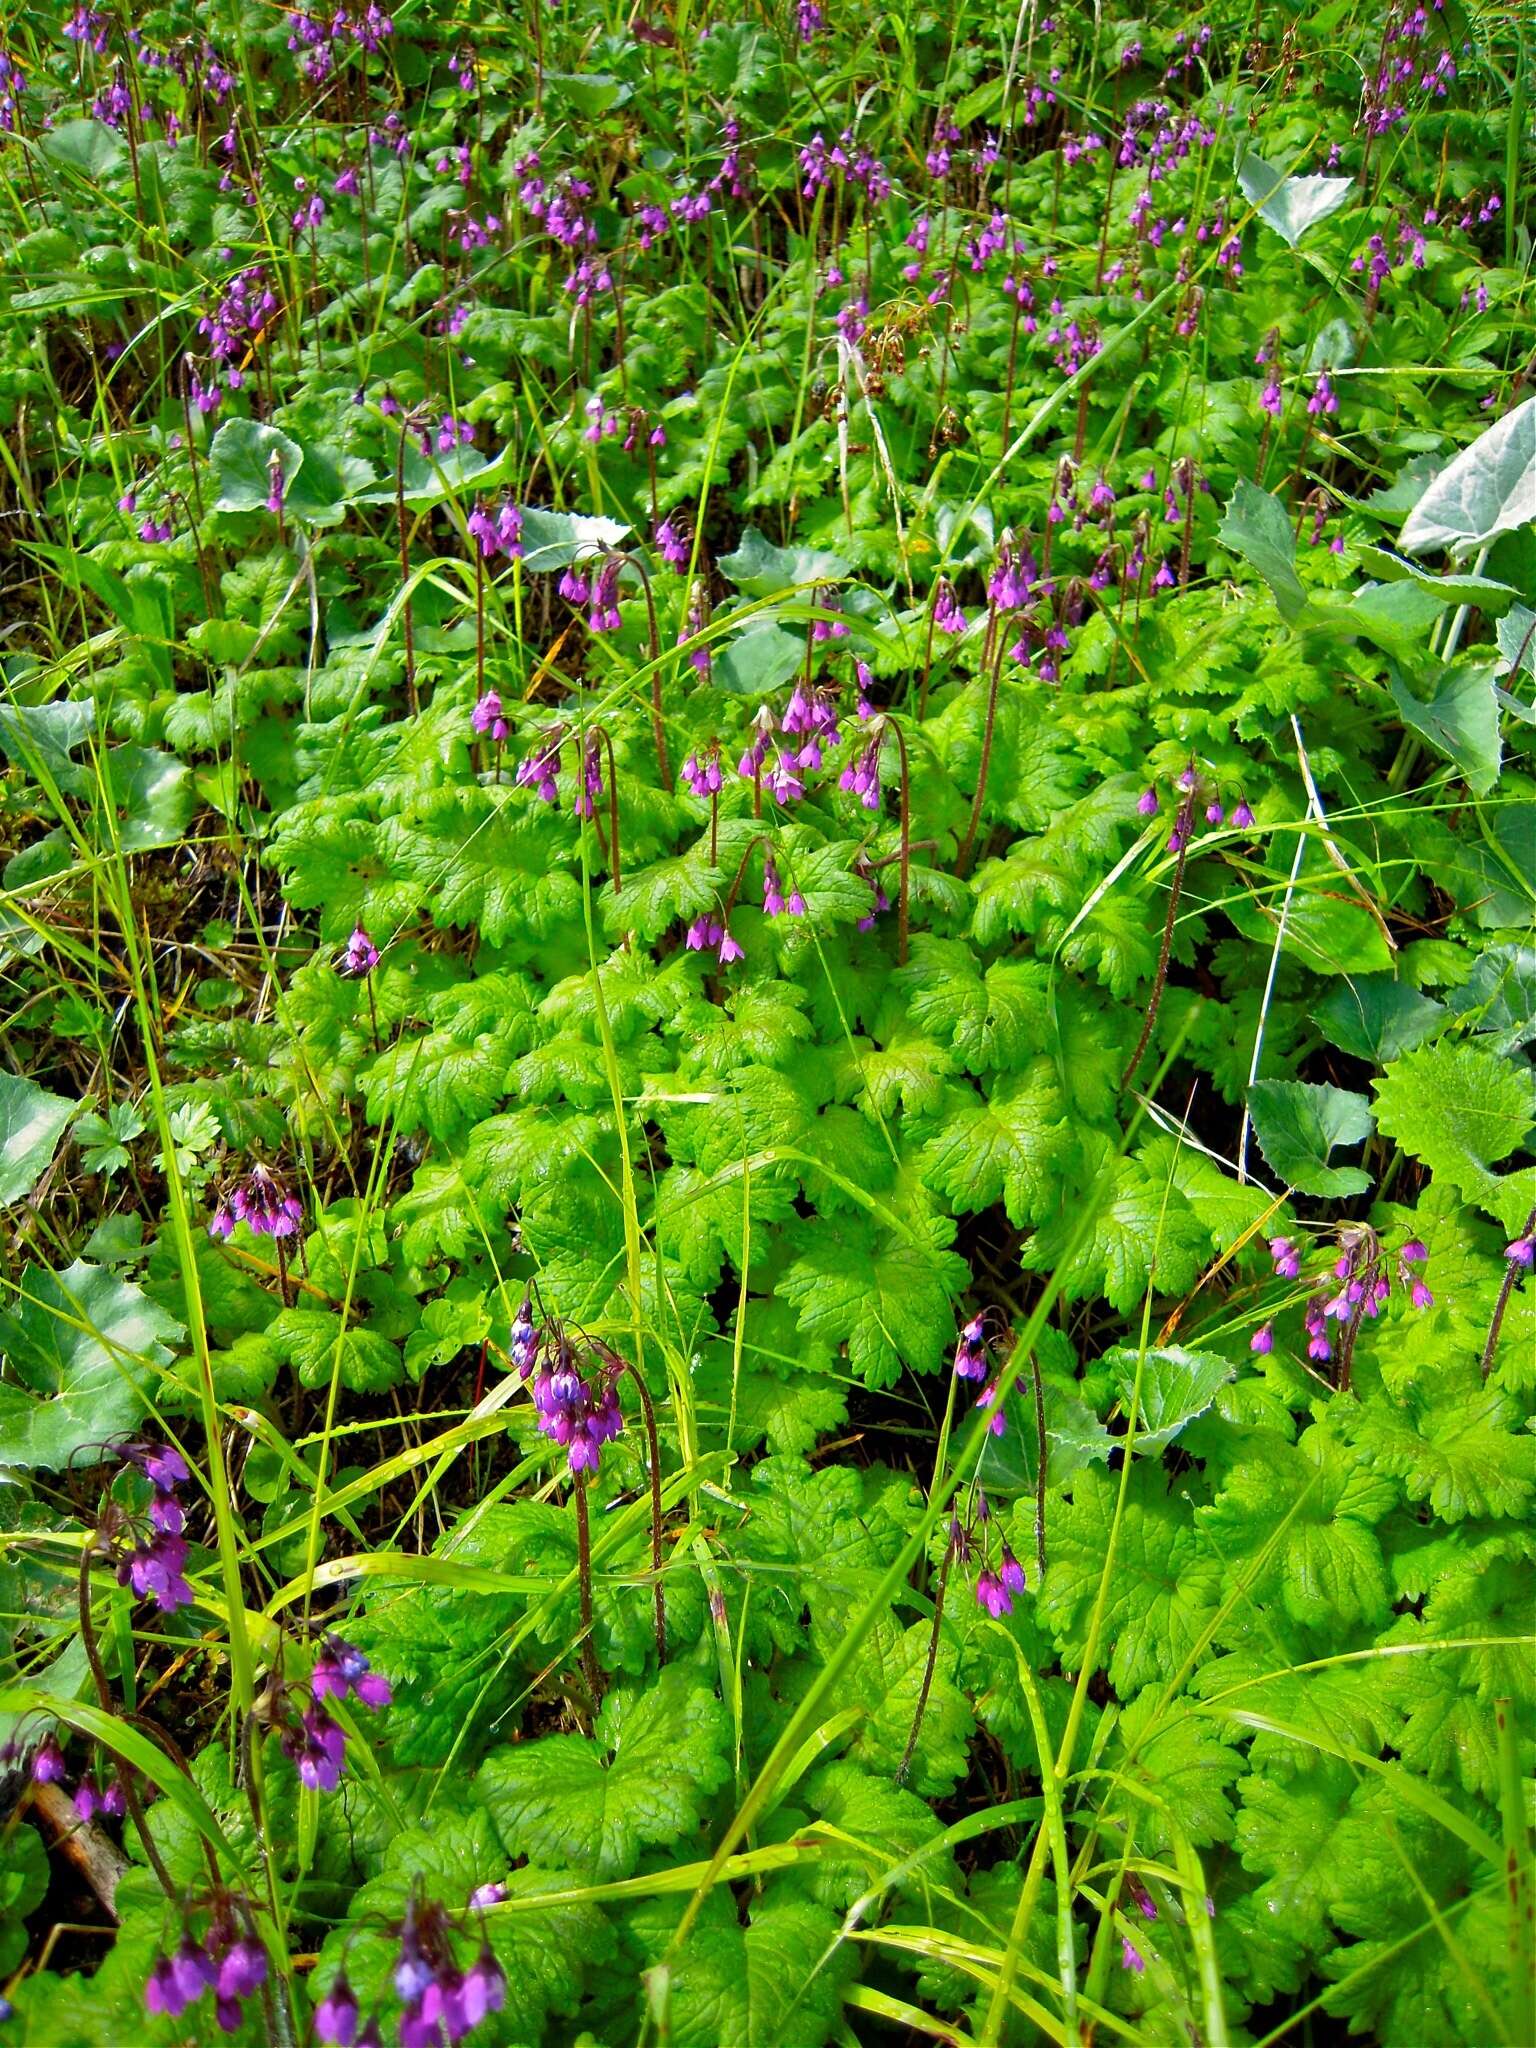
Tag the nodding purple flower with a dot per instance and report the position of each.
(487, 717)
(523, 1344)
(492, 1893)
(1522, 1252)
(162, 1464)
(242, 1969)
(1263, 1340)
(1165, 578)
(810, 18)
(603, 604)
(1270, 398)
(591, 787)
(704, 933)
(263, 1203)
(862, 774)
(175, 1982)
(540, 769)
(1214, 813)
(361, 955)
(341, 1669)
(992, 1594)
(1324, 398)
(1286, 1257)
(165, 1513)
(947, 615)
(48, 1763)
(577, 1413)
(155, 530)
(879, 901)
(825, 599)
(971, 1350)
(155, 1572)
(336, 2015)
(450, 433)
(1011, 586)
(318, 1749)
(694, 624)
(774, 900)
(864, 682)
(275, 483)
(1146, 803)
(222, 1222)
(481, 1990)
(703, 777)
(783, 779)
(1242, 814)
(987, 1400)
(482, 529)
(1319, 1349)
(1131, 1957)
(671, 545)
(413, 1974)
(1010, 1571)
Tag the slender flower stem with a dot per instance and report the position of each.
(1183, 828)
(963, 863)
(663, 764)
(1511, 1271)
(1042, 1463)
(904, 896)
(131, 1798)
(928, 1667)
(613, 812)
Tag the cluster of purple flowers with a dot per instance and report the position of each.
(260, 1201)
(229, 1961)
(498, 532)
(1191, 788)
(999, 1575)
(1358, 1286)
(577, 1410)
(360, 955)
(317, 1744)
(973, 1362)
(154, 1565)
(441, 2002)
(708, 933)
(90, 1798)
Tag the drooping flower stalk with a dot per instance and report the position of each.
(1519, 1257)
(653, 1444)
(967, 845)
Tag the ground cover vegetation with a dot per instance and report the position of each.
(769, 820)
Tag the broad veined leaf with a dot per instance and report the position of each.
(86, 1348)
(32, 1122)
(1488, 489)
(1298, 1125)
(592, 1802)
